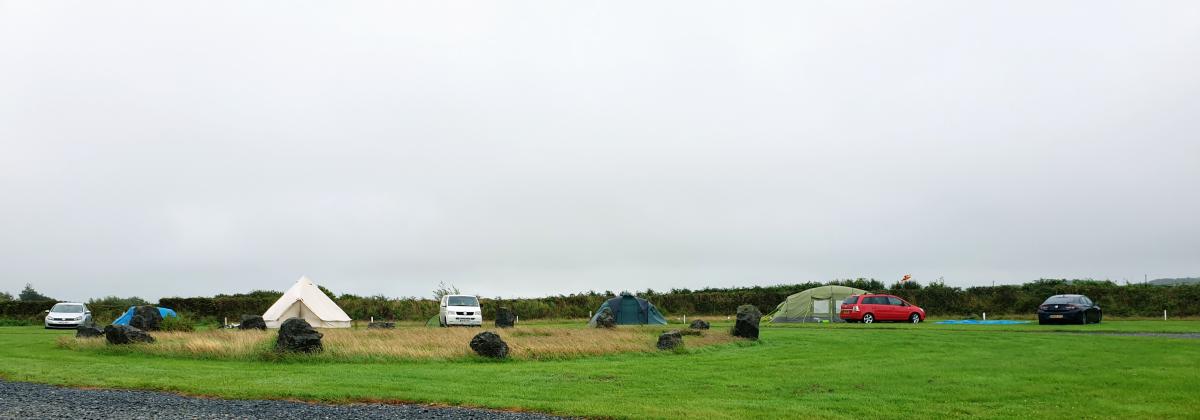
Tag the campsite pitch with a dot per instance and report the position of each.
(792, 372)
(419, 343)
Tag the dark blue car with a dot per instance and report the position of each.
(1069, 309)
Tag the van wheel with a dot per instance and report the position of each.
(916, 319)
(868, 319)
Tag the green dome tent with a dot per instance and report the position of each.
(819, 304)
(630, 310)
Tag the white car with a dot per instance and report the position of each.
(460, 310)
(68, 315)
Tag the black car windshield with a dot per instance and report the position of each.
(70, 308)
(462, 301)
(1058, 300)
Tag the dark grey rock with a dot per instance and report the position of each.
(146, 318)
(124, 334)
(505, 318)
(489, 344)
(606, 319)
(383, 325)
(296, 335)
(748, 317)
(88, 331)
(699, 324)
(252, 322)
(670, 340)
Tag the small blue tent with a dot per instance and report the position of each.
(124, 319)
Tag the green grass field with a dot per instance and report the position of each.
(795, 371)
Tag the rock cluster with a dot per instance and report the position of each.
(88, 331)
(146, 318)
(505, 318)
(605, 319)
(699, 324)
(296, 335)
(748, 317)
(124, 334)
(252, 322)
(489, 344)
(382, 325)
(670, 340)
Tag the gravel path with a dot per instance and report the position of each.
(19, 400)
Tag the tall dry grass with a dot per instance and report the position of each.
(412, 343)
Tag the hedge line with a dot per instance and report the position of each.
(937, 299)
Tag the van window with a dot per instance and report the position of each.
(875, 300)
(461, 301)
(850, 300)
(892, 300)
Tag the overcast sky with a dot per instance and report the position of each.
(526, 148)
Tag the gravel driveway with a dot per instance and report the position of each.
(19, 400)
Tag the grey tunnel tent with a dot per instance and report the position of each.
(630, 310)
(819, 304)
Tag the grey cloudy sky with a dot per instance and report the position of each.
(525, 148)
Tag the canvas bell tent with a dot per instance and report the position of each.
(305, 300)
(630, 310)
(819, 304)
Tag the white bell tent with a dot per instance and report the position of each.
(305, 300)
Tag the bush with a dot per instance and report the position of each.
(180, 322)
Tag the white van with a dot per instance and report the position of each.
(461, 310)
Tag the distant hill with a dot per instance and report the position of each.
(1170, 282)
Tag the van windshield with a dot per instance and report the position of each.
(462, 301)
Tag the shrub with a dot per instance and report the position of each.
(181, 322)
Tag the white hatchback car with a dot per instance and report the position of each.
(460, 310)
(68, 315)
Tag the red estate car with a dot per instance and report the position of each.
(870, 308)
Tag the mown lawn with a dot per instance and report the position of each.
(840, 371)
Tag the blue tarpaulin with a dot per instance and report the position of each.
(124, 319)
(978, 322)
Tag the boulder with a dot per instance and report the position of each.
(505, 318)
(252, 322)
(146, 318)
(670, 340)
(296, 335)
(381, 325)
(489, 344)
(746, 326)
(606, 319)
(124, 334)
(699, 324)
(88, 331)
